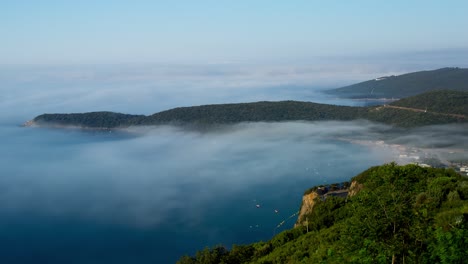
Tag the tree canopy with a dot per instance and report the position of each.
(448, 102)
(403, 214)
(406, 85)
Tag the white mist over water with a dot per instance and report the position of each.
(145, 89)
(182, 189)
(137, 180)
(149, 195)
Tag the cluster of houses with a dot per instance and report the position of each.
(422, 156)
(464, 170)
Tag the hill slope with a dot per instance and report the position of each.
(435, 107)
(401, 214)
(255, 112)
(404, 113)
(103, 120)
(210, 114)
(407, 84)
(441, 101)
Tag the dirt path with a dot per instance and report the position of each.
(424, 111)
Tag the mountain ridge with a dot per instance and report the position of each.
(405, 85)
(452, 102)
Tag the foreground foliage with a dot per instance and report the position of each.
(403, 214)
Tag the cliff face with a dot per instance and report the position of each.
(309, 200)
(308, 203)
(354, 188)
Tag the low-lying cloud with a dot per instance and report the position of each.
(183, 188)
(154, 173)
(142, 179)
(146, 89)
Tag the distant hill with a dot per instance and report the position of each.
(405, 85)
(209, 114)
(255, 112)
(454, 102)
(431, 108)
(103, 120)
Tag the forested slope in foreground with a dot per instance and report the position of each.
(401, 214)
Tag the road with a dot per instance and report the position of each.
(423, 111)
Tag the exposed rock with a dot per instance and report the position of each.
(322, 192)
(308, 203)
(354, 188)
(30, 123)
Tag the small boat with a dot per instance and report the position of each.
(258, 206)
(276, 211)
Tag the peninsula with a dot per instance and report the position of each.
(430, 108)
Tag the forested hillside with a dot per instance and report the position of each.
(405, 85)
(211, 114)
(89, 120)
(255, 112)
(441, 101)
(430, 108)
(401, 214)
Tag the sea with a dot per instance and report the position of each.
(154, 194)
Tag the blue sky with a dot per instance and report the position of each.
(51, 32)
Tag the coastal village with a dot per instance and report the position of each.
(455, 158)
(424, 157)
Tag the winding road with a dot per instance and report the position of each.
(422, 111)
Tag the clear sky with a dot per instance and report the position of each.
(117, 31)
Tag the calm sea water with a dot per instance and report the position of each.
(153, 195)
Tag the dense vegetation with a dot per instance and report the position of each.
(259, 111)
(89, 120)
(212, 114)
(407, 84)
(402, 214)
(455, 102)
(405, 118)
(437, 104)
(441, 101)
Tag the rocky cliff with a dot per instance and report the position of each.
(322, 192)
(308, 202)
